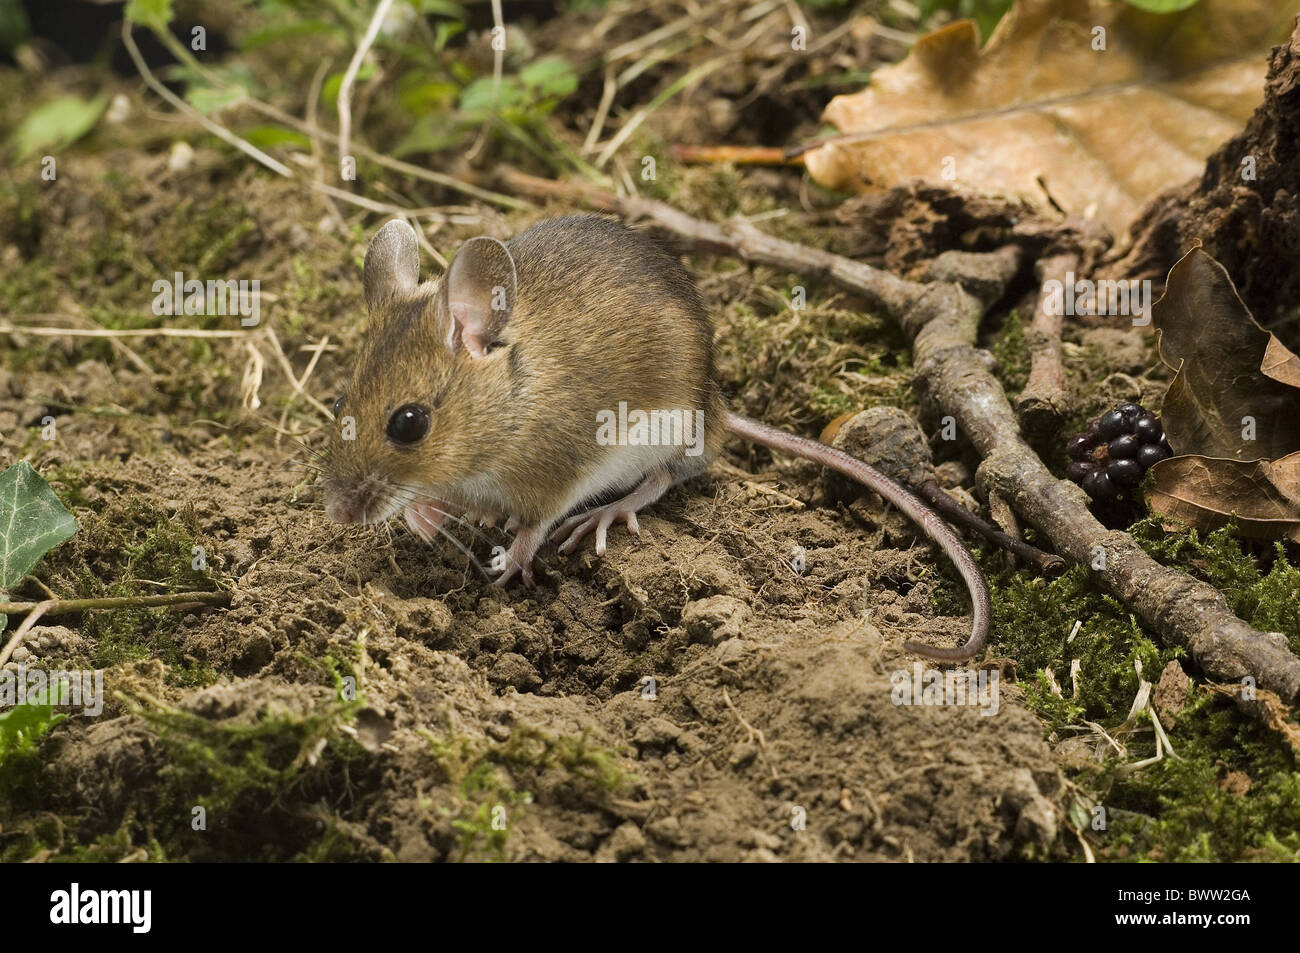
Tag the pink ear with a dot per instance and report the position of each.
(480, 288)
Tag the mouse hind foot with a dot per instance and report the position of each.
(602, 518)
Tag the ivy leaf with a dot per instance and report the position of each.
(32, 522)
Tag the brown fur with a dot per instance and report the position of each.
(602, 315)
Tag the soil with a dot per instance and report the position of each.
(771, 694)
(720, 688)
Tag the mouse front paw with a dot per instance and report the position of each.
(519, 557)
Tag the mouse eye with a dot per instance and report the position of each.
(409, 423)
(338, 405)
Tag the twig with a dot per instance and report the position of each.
(629, 127)
(350, 77)
(1048, 564)
(602, 110)
(221, 132)
(37, 610)
(283, 361)
(498, 61)
(51, 332)
(1042, 405)
(309, 129)
(301, 382)
(66, 606)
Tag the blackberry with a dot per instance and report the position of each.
(1112, 455)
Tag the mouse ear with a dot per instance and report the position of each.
(480, 294)
(392, 263)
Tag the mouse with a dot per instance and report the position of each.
(561, 382)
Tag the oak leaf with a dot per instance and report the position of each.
(1043, 113)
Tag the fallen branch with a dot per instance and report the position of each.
(942, 318)
(1042, 404)
(38, 610)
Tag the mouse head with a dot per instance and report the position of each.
(414, 422)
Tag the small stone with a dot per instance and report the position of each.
(742, 754)
(21, 654)
(952, 473)
(181, 157)
(669, 830)
(119, 110)
(732, 650)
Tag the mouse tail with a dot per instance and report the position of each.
(904, 500)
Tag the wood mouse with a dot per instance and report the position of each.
(520, 385)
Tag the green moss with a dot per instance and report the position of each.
(488, 778)
(133, 548)
(1268, 601)
(1011, 351)
(780, 363)
(1173, 809)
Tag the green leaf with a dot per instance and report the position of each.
(32, 522)
(549, 76)
(23, 725)
(1161, 6)
(444, 31)
(433, 133)
(329, 92)
(234, 84)
(285, 31)
(477, 96)
(443, 7)
(155, 14)
(268, 137)
(56, 123)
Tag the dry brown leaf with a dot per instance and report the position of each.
(1232, 375)
(1261, 496)
(1040, 114)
